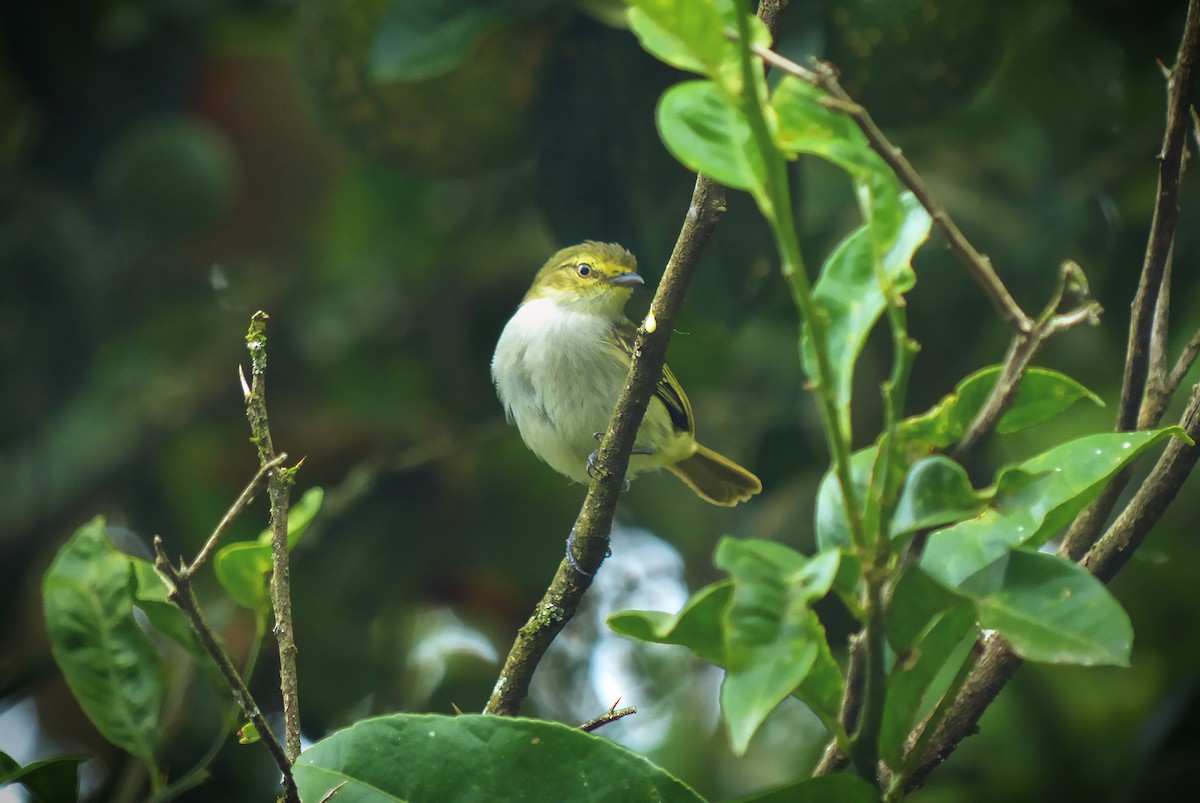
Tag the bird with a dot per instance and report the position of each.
(562, 360)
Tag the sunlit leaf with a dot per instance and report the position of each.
(473, 758)
(108, 661)
(1051, 610)
(690, 34)
(708, 133)
(1054, 486)
(697, 626)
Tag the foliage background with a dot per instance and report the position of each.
(167, 168)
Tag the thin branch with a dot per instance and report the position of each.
(835, 758)
(824, 76)
(611, 715)
(1184, 364)
(278, 483)
(181, 594)
(234, 511)
(592, 527)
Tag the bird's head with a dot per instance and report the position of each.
(592, 276)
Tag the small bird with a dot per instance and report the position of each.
(562, 360)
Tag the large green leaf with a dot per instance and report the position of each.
(772, 636)
(477, 758)
(707, 132)
(109, 662)
(1051, 610)
(54, 780)
(1042, 395)
(1034, 500)
(927, 626)
(697, 626)
(690, 34)
(936, 492)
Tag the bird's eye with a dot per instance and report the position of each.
(583, 269)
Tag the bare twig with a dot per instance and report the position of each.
(824, 76)
(180, 592)
(611, 715)
(278, 483)
(234, 511)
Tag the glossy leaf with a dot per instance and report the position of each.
(477, 758)
(108, 661)
(926, 626)
(772, 636)
(839, 788)
(1051, 610)
(1042, 395)
(708, 133)
(1052, 488)
(936, 492)
(690, 34)
(54, 780)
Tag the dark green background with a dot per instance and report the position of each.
(167, 168)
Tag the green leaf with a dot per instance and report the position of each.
(53, 780)
(832, 525)
(840, 788)
(243, 568)
(1042, 496)
(1052, 610)
(421, 39)
(807, 125)
(108, 661)
(150, 596)
(772, 636)
(708, 133)
(1042, 395)
(690, 35)
(936, 492)
(697, 626)
(926, 626)
(472, 758)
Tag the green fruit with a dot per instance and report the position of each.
(911, 60)
(471, 118)
(169, 176)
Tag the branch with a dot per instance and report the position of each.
(278, 483)
(824, 77)
(180, 592)
(611, 715)
(234, 511)
(591, 529)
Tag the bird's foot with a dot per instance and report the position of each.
(573, 562)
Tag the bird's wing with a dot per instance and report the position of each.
(668, 390)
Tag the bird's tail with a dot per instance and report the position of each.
(715, 478)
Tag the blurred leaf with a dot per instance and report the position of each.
(151, 596)
(1042, 395)
(110, 664)
(706, 132)
(421, 39)
(936, 492)
(477, 758)
(1051, 610)
(772, 636)
(833, 528)
(697, 626)
(807, 125)
(1051, 488)
(842, 788)
(53, 780)
(300, 516)
(926, 624)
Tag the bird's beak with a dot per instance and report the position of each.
(626, 280)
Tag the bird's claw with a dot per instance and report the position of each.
(573, 562)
